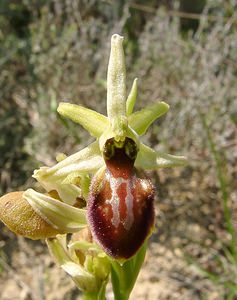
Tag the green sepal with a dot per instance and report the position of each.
(142, 119)
(116, 80)
(70, 172)
(65, 172)
(94, 122)
(148, 159)
(86, 153)
(60, 215)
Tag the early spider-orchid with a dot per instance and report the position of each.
(103, 186)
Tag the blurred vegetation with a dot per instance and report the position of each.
(52, 51)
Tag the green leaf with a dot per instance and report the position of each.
(142, 119)
(92, 121)
(60, 215)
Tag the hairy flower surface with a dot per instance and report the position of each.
(120, 205)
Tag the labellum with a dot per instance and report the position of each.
(120, 206)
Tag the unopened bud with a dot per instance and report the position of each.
(18, 215)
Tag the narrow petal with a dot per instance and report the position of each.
(149, 159)
(56, 213)
(142, 119)
(91, 120)
(132, 97)
(18, 215)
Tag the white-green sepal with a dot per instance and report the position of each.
(67, 173)
(60, 215)
(90, 152)
(142, 119)
(92, 121)
(149, 159)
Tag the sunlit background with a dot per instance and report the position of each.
(183, 52)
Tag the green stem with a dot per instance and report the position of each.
(124, 276)
(119, 282)
(101, 294)
(98, 295)
(89, 297)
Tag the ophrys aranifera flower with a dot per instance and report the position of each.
(103, 187)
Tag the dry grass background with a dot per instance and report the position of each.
(58, 50)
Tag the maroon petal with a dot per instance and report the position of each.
(120, 205)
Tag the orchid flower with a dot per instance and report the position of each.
(103, 186)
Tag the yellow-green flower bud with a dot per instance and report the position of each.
(18, 215)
